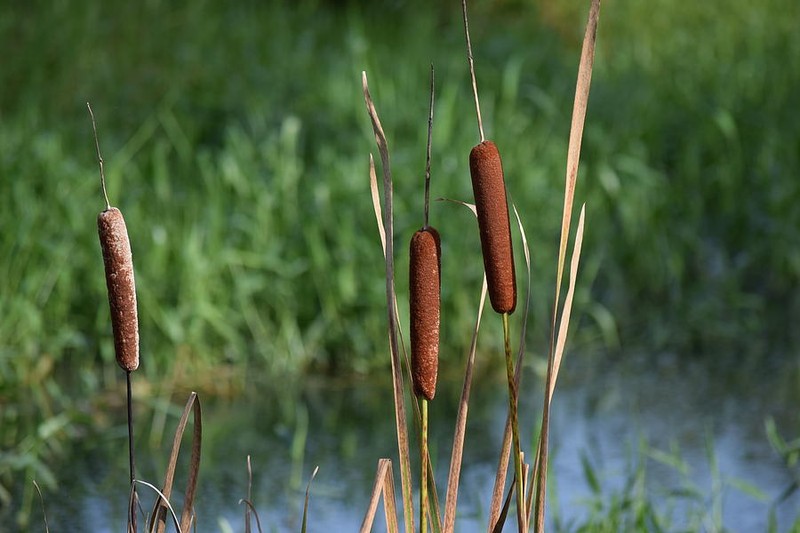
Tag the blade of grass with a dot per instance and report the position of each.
(41, 501)
(157, 520)
(305, 505)
(461, 425)
(249, 495)
(163, 503)
(566, 313)
(540, 468)
(503, 513)
(383, 486)
(397, 375)
(573, 159)
(251, 509)
(459, 433)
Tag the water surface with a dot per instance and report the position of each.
(667, 419)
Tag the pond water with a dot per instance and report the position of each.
(657, 417)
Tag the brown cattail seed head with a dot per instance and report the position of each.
(121, 287)
(425, 301)
(489, 189)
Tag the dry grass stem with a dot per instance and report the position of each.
(582, 87)
(383, 486)
(157, 519)
(459, 434)
(305, 504)
(397, 375)
(472, 71)
(428, 153)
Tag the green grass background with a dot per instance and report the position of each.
(236, 144)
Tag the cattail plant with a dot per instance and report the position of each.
(425, 265)
(118, 262)
(491, 204)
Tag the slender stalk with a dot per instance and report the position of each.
(130, 453)
(99, 157)
(428, 155)
(423, 491)
(472, 71)
(512, 405)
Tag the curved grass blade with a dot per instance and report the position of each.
(157, 520)
(573, 159)
(163, 502)
(41, 501)
(250, 509)
(397, 374)
(305, 505)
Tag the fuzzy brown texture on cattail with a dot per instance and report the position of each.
(425, 302)
(121, 286)
(489, 189)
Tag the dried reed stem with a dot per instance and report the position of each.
(397, 375)
(472, 71)
(580, 104)
(428, 154)
(512, 408)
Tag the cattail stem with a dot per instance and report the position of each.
(423, 452)
(118, 263)
(472, 71)
(512, 405)
(99, 158)
(131, 454)
(428, 154)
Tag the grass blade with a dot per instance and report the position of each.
(41, 501)
(566, 312)
(157, 520)
(249, 496)
(162, 502)
(384, 485)
(397, 374)
(250, 510)
(305, 505)
(461, 424)
(573, 159)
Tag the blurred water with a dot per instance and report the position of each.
(617, 416)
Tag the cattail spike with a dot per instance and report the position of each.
(121, 287)
(425, 303)
(489, 189)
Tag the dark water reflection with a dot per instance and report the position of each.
(608, 413)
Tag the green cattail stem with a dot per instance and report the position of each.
(132, 510)
(512, 405)
(423, 491)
